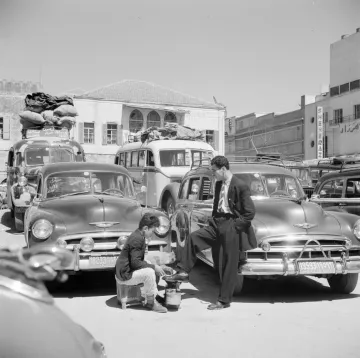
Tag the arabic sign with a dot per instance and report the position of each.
(48, 132)
(319, 132)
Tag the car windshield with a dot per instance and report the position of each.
(45, 155)
(86, 182)
(272, 185)
(180, 157)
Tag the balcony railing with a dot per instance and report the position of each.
(345, 119)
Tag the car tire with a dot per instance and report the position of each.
(170, 205)
(239, 285)
(343, 283)
(19, 221)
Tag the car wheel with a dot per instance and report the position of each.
(19, 221)
(239, 285)
(343, 283)
(170, 205)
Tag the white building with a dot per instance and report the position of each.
(332, 121)
(109, 114)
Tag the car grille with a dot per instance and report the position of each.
(295, 255)
(107, 242)
(302, 242)
(308, 192)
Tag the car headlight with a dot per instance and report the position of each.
(356, 229)
(22, 181)
(42, 229)
(266, 246)
(164, 227)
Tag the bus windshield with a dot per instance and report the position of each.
(180, 157)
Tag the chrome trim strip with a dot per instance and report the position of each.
(299, 237)
(98, 246)
(95, 235)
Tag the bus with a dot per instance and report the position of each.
(158, 166)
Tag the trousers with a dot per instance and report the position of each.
(145, 276)
(223, 238)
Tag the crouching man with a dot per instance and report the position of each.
(132, 269)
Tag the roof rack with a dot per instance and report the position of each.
(47, 131)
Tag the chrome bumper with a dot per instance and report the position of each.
(100, 261)
(291, 268)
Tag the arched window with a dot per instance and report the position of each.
(170, 117)
(153, 119)
(135, 121)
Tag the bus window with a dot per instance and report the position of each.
(150, 159)
(134, 159)
(127, 159)
(142, 158)
(172, 158)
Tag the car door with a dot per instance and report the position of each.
(351, 202)
(331, 194)
(202, 210)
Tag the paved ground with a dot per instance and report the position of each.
(287, 317)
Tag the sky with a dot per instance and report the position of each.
(252, 55)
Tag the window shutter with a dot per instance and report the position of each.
(104, 134)
(119, 133)
(81, 132)
(6, 128)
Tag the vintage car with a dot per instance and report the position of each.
(90, 209)
(339, 191)
(27, 156)
(295, 236)
(28, 312)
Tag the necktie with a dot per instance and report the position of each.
(221, 199)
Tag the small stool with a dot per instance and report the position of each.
(128, 295)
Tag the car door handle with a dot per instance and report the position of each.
(342, 204)
(183, 205)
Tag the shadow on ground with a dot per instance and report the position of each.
(281, 290)
(7, 222)
(204, 287)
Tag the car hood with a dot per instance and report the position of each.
(79, 212)
(276, 217)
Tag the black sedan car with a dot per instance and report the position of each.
(90, 209)
(295, 237)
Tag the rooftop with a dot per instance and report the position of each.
(133, 91)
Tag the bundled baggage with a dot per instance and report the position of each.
(42, 110)
(170, 131)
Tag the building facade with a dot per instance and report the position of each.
(109, 115)
(332, 121)
(266, 133)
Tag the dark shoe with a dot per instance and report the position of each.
(179, 276)
(218, 306)
(160, 299)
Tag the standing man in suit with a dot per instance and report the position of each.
(230, 227)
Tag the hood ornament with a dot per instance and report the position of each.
(305, 226)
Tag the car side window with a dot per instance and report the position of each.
(194, 189)
(122, 159)
(184, 189)
(127, 159)
(332, 189)
(207, 191)
(352, 188)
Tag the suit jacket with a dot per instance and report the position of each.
(241, 204)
